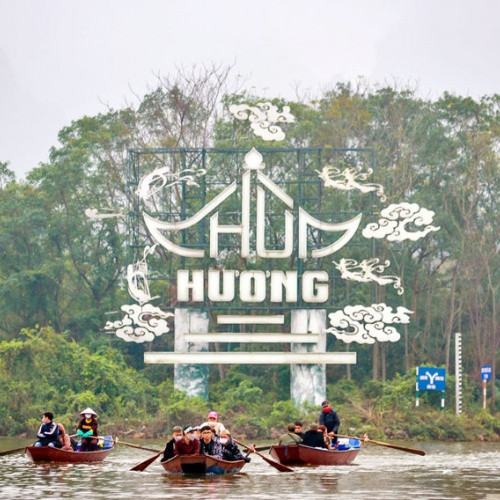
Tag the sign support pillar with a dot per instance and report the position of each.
(308, 382)
(191, 379)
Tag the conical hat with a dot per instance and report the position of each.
(88, 410)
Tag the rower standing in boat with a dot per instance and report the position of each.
(210, 443)
(230, 450)
(48, 432)
(87, 429)
(330, 419)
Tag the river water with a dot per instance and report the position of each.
(449, 470)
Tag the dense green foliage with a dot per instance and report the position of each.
(63, 272)
(43, 370)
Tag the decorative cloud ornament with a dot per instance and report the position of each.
(263, 118)
(141, 323)
(365, 325)
(395, 221)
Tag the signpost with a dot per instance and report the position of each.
(485, 376)
(430, 379)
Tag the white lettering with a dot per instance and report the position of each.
(312, 291)
(253, 286)
(184, 284)
(214, 291)
(280, 280)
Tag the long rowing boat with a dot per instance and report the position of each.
(48, 454)
(306, 455)
(201, 464)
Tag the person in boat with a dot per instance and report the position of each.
(64, 439)
(290, 437)
(213, 422)
(329, 418)
(326, 437)
(299, 428)
(189, 444)
(230, 450)
(171, 446)
(48, 433)
(87, 429)
(210, 443)
(314, 438)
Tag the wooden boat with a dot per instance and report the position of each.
(201, 464)
(48, 454)
(305, 455)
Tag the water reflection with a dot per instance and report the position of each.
(458, 470)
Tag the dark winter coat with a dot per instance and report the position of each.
(314, 439)
(330, 420)
(231, 452)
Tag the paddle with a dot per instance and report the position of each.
(388, 445)
(10, 452)
(276, 465)
(117, 441)
(143, 465)
(16, 450)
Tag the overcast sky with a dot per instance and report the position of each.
(62, 59)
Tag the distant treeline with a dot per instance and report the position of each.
(61, 270)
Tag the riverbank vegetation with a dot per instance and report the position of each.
(42, 370)
(61, 273)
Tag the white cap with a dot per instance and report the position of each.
(89, 411)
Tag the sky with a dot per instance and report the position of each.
(63, 59)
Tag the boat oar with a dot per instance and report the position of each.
(271, 462)
(17, 450)
(381, 443)
(144, 465)
(118, 441)
(10, 452)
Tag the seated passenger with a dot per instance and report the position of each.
(326, 437)
(314, 438)
(189, 444)
(48, 432)
(210, 443)
(64, 439)
(299, 429)
(290, 437)
(230, 450)
(171, 446)
(213, 422)
(87, 429)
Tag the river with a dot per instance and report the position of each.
(449, 470)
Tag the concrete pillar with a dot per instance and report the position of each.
(308, 382)
(191, 379)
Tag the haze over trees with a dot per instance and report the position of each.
(60, 269)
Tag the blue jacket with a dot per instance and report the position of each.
(48, 433)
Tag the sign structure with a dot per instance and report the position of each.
(254, 247)
(430, 379)
(486, 372)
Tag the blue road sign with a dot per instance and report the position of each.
(431, 379)
(486, 372)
